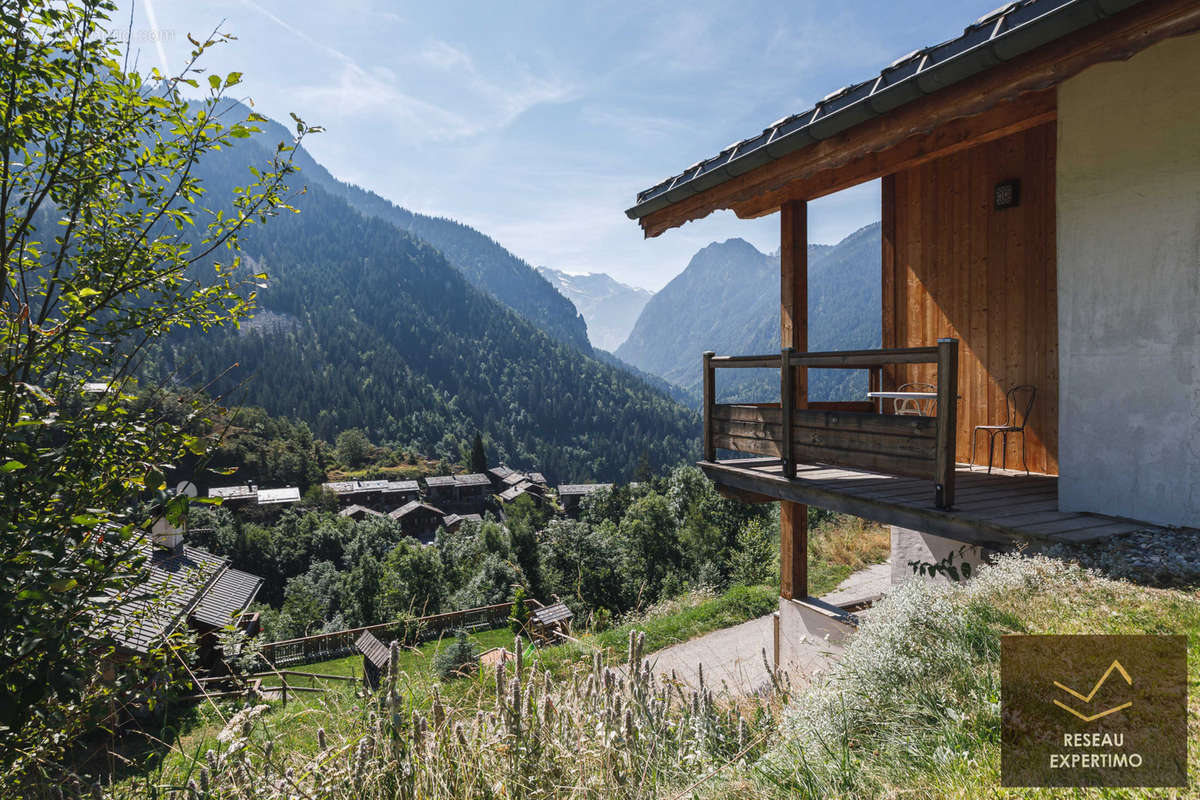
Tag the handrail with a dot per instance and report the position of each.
(321, 644)
(861, 443)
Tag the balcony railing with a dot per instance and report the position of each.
(848, 434)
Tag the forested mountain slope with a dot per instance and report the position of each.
(484, 261)
(610, 307)
(727, 301)
(368, 326)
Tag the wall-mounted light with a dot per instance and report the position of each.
(1007, 194)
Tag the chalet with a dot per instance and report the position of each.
(1040, 228)
(183, 586)
(377, 494)
(570, 495)
(451, 521)
(231, 496)
(359, 513)
(397, 493)
(440, 489)
(289, 495)
(498, 474)
(462, 493)
(419, 520)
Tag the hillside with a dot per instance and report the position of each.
(481, 259)
(610, 307)
(727, 300)
(371, 327)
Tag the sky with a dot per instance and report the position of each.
(538, 122)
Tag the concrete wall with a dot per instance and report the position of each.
(925, 548)
(1128, 197)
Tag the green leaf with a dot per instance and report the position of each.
(233, 79)
(87, 520)
(12, 466)
(214, 81)
(64, 585)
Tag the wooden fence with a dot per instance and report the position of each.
(337, 644)
(850, 434)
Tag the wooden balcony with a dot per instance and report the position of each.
(897, 470)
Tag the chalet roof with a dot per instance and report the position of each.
(582, 488)
(511, 493)
(229, 595)
(439, 481)
(372, 486)
(537, 477)
(474, 479)
(552, 614)
(997, 37)
(179, 584)
(175, 582)
(514, 478)
(403, 486)
(500, 473)
(414, 505)
(350, 511)
(375, 651)
(340, 487)
(230, 492)
(471, 517)
(450, 520)
(268, 497)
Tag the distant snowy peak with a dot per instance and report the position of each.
(610, 307)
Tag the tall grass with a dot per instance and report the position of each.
(605, 731)
(913, 709)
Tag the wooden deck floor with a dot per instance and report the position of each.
(996, 509)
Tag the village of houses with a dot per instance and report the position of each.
(423, 506)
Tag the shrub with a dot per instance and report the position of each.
(518, 618)
(456, 658)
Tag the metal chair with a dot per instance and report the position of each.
(1018, 402)
(913, 406)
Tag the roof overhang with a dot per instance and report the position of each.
(855, 135)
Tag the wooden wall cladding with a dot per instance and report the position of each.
(953, 265)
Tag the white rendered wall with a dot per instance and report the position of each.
(1128, 186)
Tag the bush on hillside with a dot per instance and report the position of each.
(457, 658)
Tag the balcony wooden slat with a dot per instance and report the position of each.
(887, 424)
(840, 439)
(761, 447)
(748, 413)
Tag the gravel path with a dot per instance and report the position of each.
(734, 656)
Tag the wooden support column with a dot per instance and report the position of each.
(710, 399)
(793, 323)
(888, 379)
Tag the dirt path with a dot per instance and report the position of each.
(734, 656)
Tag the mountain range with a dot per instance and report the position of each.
(610, 307)
(727, 300)
(365, 322)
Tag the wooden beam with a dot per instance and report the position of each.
(997, 102)
(947, 420)
(793, 327)
(887, 191)
(741, 496)
(710, 400)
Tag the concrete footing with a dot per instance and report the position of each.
(808, 632)
(911, 547)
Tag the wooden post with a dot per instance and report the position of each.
(947, 420)
(889, 379)
(793, 325)
(787, 400)
(710, 399)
